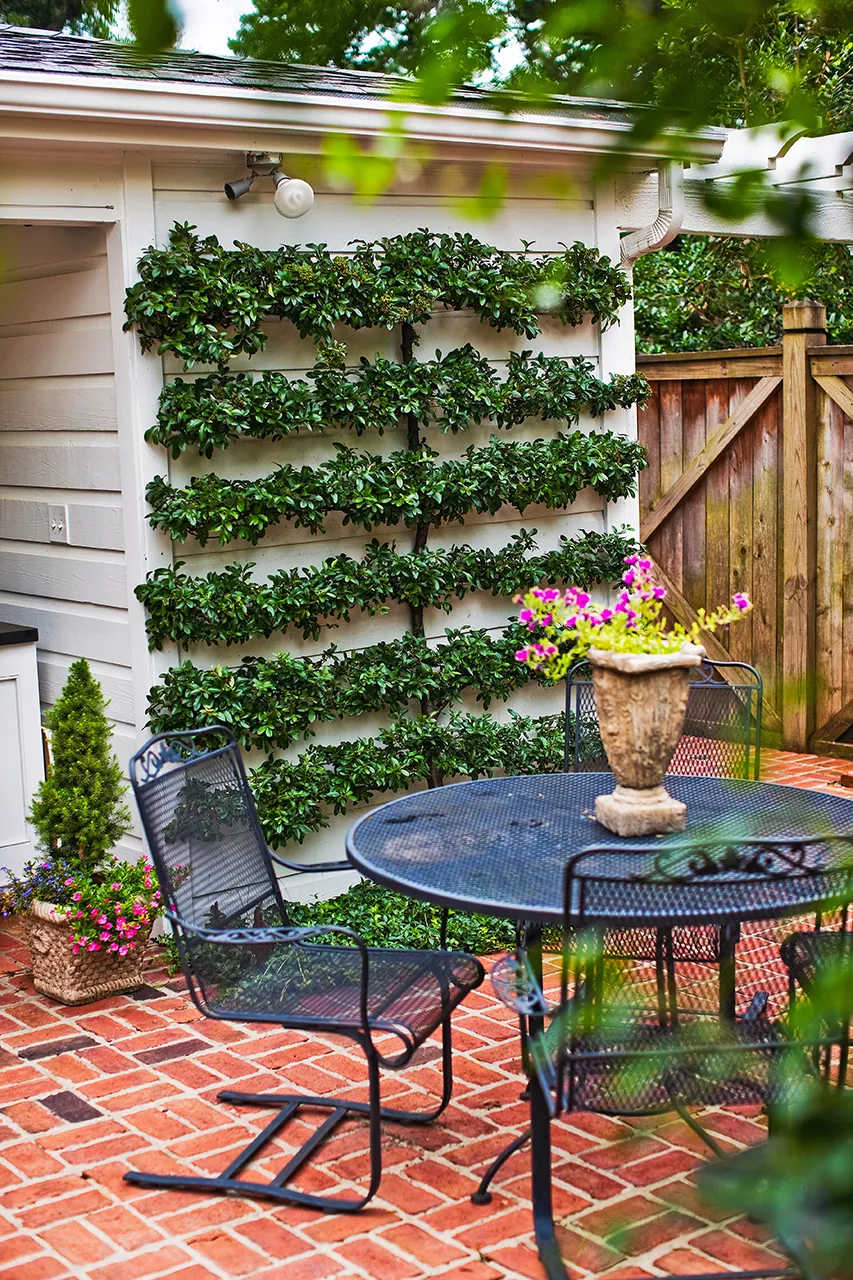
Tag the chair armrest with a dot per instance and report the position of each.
(254, 934)
(253, 937)
(345, 865)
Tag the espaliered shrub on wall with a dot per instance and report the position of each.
(450, 392)
(230, 607)
(206, 303)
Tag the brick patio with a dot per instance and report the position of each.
(131, 1082)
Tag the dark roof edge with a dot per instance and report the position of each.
(26, 49)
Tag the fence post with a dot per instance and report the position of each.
(804, 326)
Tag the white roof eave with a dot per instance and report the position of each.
(144, 113)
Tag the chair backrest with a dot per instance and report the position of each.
(722, 730)
(752, 881)
(203, 830)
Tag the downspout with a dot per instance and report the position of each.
(667, 224)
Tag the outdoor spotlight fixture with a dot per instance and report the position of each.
(293, 197)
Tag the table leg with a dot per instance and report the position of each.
(728, 942)
(540, 1146)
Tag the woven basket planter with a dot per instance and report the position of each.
(81, 978)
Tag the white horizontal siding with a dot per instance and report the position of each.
(61, 466)
(88, 525)
(59, 448)
(73, 403)
(56, 354)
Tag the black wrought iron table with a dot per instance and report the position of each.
(500, 846)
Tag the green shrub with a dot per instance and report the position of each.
(79, 806)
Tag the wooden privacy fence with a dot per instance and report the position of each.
(750, 488)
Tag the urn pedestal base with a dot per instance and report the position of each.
(630, 811)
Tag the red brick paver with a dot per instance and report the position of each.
(86, 1094)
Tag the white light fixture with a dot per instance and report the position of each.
(293, 197)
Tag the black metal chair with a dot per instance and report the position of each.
(722, 731)
(721, 739)
(244, 961)
(594, 1046)
(810, 956)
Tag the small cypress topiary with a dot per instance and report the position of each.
(78, 810)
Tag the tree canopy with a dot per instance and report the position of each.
(152, 23)
(732, 62)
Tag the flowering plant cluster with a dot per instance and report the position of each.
(79, 814)
(109, 908)
(570, 625)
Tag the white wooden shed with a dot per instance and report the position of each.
(102, 153)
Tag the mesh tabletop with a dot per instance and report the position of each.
(501, 845)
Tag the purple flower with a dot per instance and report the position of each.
(606, 615)
(581, 599)
(740, 600)
(521, 655)
(526, 615)
(659, 593)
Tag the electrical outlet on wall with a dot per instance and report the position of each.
(58, 524)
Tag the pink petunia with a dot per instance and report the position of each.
(521, 655)
(76, 896)
(123, 951)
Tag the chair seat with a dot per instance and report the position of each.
(643, 1068)
(410, 993)
(807, 954)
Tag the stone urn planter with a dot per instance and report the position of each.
(641, 701)
(81, 978)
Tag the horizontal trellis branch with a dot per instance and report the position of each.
(207, 303)
(270, 702)
(229, 607)
(453, 392)
(296, 797)
(411, 487)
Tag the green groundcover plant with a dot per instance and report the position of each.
(79, 814)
